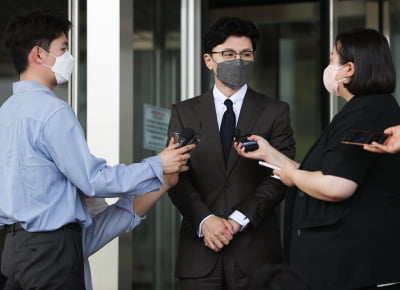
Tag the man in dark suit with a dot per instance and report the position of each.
(229, 204)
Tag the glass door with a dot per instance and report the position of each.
(156, 83)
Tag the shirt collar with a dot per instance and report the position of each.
(219, 97)
(26, 85)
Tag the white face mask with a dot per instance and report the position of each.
(329, 78)
(63, 67)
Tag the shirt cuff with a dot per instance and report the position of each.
(240, 218)
(199, 233)
(156, 165)
(126, 203)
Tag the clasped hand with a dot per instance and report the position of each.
(218, 232)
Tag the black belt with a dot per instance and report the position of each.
(13, 228)
(17, 227)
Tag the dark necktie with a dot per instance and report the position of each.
(227, 129)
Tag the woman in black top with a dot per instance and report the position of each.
(343, 219)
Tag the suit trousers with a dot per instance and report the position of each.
(226, 275)
(43, 260)
(2, 281)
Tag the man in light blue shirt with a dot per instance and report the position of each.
(45, 160)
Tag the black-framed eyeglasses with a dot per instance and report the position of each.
(231, 54)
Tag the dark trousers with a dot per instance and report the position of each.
(43, 260)
(2, 281)
(226, 275)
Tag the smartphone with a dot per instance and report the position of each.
(361, 137)
(249, 145)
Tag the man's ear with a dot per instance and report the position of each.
(208, 61)
(36, 55)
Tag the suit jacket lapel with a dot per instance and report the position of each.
(251, 109)
(209, 131)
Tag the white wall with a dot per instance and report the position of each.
(103, 91)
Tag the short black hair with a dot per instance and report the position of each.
(38, 27)
(228, 26)
(369, 50)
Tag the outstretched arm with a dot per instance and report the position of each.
(316, 184)
(143, 203)
(121, 217)
(265, 152)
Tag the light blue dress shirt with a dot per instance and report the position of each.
(113, 221)
(44, 159)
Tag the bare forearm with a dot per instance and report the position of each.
(143, 203)
(323, 187)
(279, 159)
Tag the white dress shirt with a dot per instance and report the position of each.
(220, 108)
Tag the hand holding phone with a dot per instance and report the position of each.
(249, 145)
(361, 137)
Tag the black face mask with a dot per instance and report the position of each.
(235, 73)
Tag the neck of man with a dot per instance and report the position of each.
(227, 91)
(29, 75)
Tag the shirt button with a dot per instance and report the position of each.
(301, 194)
(298, 233)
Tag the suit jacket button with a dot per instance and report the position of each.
(298, 232)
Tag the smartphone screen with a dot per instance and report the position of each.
(360, 137)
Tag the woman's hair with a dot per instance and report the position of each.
(369, 51)
(229, 26)
(38, 27)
